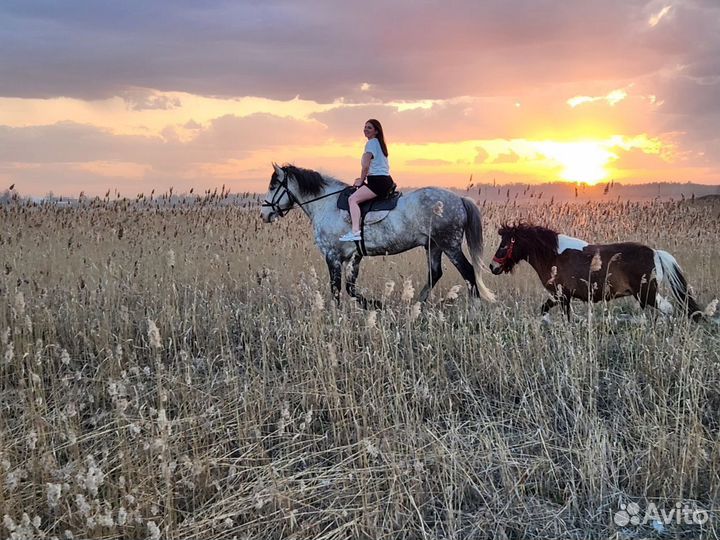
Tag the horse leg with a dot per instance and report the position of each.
(457, 257)
(351, 280)
(335, 268)
(434, 270)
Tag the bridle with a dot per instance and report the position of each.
(508, 255)
(277, 197)
(274, 204)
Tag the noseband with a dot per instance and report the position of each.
(508, 255)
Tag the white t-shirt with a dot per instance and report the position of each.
(379, 163)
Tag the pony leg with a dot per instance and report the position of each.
(548, 305)
(335, 268)
(668, 269)
(434, 270)
(648, 296)
(661, 304)
(554, 301)
(457, 257)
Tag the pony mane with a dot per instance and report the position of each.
(309, 182)
(537, 241)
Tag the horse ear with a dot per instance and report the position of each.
(278, 171)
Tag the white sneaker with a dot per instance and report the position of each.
(350, 237)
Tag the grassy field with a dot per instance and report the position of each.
(183, 373)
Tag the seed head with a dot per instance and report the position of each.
(408, 291)
(154, 335)
(318, 302)
(154, 531)
(20, 304)
(54, 491)
(371, 320)
(453, 293)
(553, 275)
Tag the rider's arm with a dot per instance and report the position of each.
(365, 167)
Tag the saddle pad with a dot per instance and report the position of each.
(370, 217)
(372, 205)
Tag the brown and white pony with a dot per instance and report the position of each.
(571, 268)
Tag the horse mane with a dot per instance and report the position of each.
(537, 241)
(309, 182)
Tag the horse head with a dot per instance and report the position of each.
(279, 199)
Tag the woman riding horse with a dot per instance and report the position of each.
(432, 218)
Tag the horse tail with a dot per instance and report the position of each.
(474, 238)
(667, 269)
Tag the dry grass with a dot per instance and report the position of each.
(183, 373)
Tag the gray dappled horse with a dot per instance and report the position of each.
(433, 218)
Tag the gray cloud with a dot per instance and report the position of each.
(139, 99)
(224, 138)
(315, 49)
(534, 52)
(69, 157)
(68, 142)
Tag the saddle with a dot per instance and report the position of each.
(371, 211)
(378, 204)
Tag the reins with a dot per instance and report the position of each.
(275, 203)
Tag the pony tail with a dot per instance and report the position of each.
(474, 238)
(667, 269)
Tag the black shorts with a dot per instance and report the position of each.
(380, 184)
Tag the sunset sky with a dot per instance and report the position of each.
(140, 95)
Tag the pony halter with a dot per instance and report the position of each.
(508, 255)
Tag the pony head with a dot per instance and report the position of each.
(520, 241)
(507, 254)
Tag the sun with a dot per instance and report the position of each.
(582, 161)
